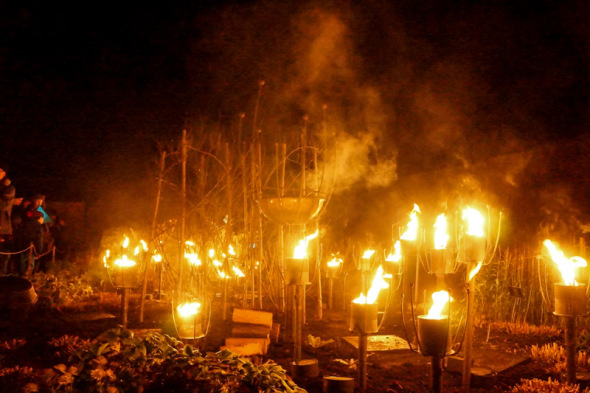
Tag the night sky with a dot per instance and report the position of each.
(90, 90)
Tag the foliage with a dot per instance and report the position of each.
(63, 288)
(539, 386)
(526, 329)
(66, 346)
(119, 361)
(350, 363)
(317, 342)
(551, 354)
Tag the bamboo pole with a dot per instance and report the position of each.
(246, 224)
(153, 231)
(468, 344)
(228, 229)
(261, 249)
(183, 212)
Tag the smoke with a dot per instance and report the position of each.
(324, 76)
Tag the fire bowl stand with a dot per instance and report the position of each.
(570, 302)
(363, 318)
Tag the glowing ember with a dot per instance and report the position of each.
(475, 222)
(368, 254)
(441, 237)
(411, 233)
(440, 299)
(567, 266)
(188, 309)
(300, 251)
(125, 262)
(376, 286)
(237, 271)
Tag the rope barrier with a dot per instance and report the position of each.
(18, 252)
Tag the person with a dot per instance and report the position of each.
(30, 232)
(7, 194)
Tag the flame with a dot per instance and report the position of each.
(222, 274)
(125, 262)
(231, 250)
(474, 271)
(566, 266)
(136, 251)
(334, 262)
(376, 286)
(193, 258)
(144, 245)
(107, 254)
(440, 299)
(187, 309)
(411, 233)
(368, 254)
(397, 255)
(217, 263)
(157, 257)
(125, 242)
(475, 222)
(300, 251)
(211, 253)
(237, 271)
(441, 236)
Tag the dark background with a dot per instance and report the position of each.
(89, 91)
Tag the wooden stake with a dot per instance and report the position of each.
(153, 232)
(183, 213)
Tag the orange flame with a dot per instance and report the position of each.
(188, 309)
(376, 286)
(125, 262)
(440, 299)
(300, 251)
(567, 266)
(411, 233)
(397, 255)
(475, 222)
(441, 236)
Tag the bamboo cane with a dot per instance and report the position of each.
(183, 213)
(153, 230)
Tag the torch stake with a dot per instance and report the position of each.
(160, 268)
(330, 292)
(570, 347)
(363, 341)
(437, 373)
(124, 307)
(298, 319)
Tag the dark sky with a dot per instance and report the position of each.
(88, 91)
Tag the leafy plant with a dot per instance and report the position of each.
(63, 288)
(317, 342)
(350, 363)
(539, 386)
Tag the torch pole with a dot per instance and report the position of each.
(437, 362)
(570, 347)
(468, 344)
(298, 318)
(363, 342)
(330, 292)
(124, 307)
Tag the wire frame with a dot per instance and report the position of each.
(124, 259)
(191, 318)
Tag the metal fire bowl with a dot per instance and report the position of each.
(363, 318)
(433, 335)
(570, 301)
(291, 210)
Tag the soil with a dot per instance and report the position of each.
(388, 371)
